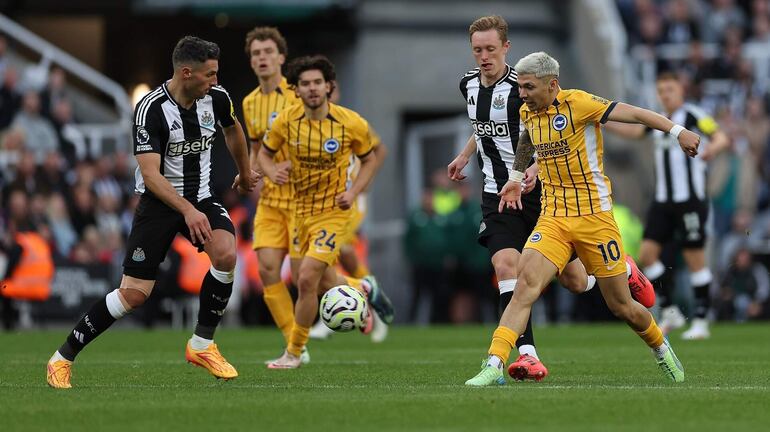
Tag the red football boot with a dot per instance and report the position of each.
(527, 367)
(641, 288)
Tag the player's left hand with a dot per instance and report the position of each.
(689, 141)
(530, 178)
(510, 196)
(345, 200)
(246, 184)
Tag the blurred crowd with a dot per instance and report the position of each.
(721, 51)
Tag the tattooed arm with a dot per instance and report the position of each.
(510, 195)
(524, 151)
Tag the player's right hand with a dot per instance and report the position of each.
(455, 168)
(281, 175)
(198, 224)
(689, 141)
(510, 196)
(530, 178)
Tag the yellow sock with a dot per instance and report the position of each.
(356, 283)
(503, 341)
(298, 339)
(278, 301)
(360, 271)
(653, 336)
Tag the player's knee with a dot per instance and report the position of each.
(269, 270)
(505, 267)
(307, 283)
(620, 308)
(574, 283)
(224, 261)
(133, 297)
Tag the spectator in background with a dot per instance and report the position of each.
(82, 208)
(745, 288)
(10, 98)
(71, 140)
(54, 92)
(760, 30)
(3, 54)
(719, 16)
(473, 275)
(64, 235)
(426, 245)
(680, 25)
(105, 183)
(24, 178)
(124, 175)
(40, 133)
(50, 175)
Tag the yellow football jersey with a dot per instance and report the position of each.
(567, 137)
(320, 153)
(259, 112)
(355, 163)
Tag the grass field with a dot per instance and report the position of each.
(602, 378)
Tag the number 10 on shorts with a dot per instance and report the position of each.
(610, 251)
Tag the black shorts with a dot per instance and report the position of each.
(682, 222)
(511, 228)
(154, 228)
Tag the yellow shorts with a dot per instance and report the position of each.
(272, 227)
(320, 236)
(595, 238)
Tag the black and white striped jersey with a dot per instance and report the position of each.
(678, 177)
(494, 115)
(182, 137)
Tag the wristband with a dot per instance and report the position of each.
(676, 130)
(516, 176)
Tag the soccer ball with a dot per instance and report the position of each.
(343, 308)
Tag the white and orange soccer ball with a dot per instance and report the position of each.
(343, 308)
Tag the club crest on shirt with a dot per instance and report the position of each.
(272, 117)
(138, 255)
(142, 137)
(207, 120)
(559, 122)
(499, 102)
(331, 145)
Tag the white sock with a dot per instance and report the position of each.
(507, 285)
(528, 349)
(198, 343)
(495, 361)
(56, 357)
(591, 283)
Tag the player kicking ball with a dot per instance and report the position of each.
(563, 127)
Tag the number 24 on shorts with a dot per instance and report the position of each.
(329, 242)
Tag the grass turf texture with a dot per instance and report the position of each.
(602, 377)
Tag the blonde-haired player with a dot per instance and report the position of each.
(563, 127)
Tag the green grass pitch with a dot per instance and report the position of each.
(602, 378)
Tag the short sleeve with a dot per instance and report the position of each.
(591, 108)
(147, 130)
(361, 141)
(248, 115)
(275, 137)
(223, 107)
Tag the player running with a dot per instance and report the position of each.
(492, 98)
(563, 127)
(680, 208)
(321, 137)
(174, 129)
